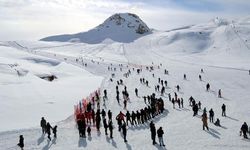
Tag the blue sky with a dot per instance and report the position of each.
(34, 19)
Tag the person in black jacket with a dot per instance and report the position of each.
(21, 142)
(153, 132)
(110, 125)
(54, 131)
(244, 129)
(43, 125)
(109, 115)
(223, 108)
(48, 127)
(105, 125)
(211, 115)
(124, 132)
(160, 133)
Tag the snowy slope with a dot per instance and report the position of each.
(122, 27)
(220, 47)
(26, 98)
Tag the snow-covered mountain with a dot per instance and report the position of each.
(120, 27)
(220, 47)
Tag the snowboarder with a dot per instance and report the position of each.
(160, 133)
(54, 130)
(43, 125)
(244, 130)
(153, 132)
(124, 132)
(21, 142)
(223, 108)
(204, 120)
(211, 115)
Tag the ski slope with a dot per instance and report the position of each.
(219, 47)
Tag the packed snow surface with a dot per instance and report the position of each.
(220, 47)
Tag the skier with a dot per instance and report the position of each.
(48, 127)
(162, 90)
(136, 92)
(160, 133)
(219, 93)
(110, 125)
(21, 142)
(54, 130)
(153, 132)
(223, 108)
(124, 132)
(185, 77)
(204, 120)
(211, 115)
(98, 120)
(244, 130)
(80, 125)
(202, 71)
(43, 125)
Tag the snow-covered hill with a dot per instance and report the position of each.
(122, 27)
(220, 47)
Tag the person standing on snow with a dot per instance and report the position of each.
(43, 125)
(48, 127)
(110, 125)
(223, 108)
(21, 142)
(54, 130)
(204, 121)
(160, 133)
(244, 129)
(211, 115)
(124, 131)
(153, 132)
(136, 92)
(219, 93)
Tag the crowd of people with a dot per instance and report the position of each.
(87, 118)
